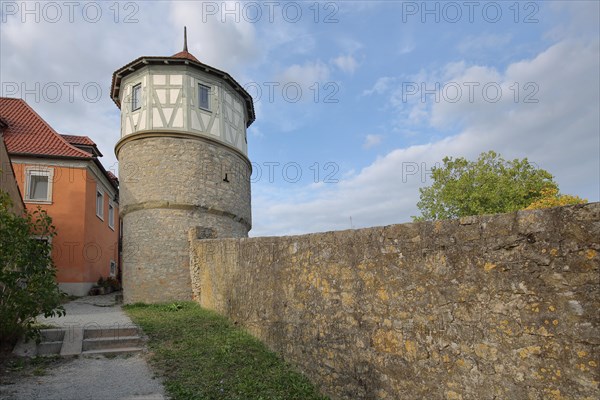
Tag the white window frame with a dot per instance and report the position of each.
(38, 171)
(136, 100)
(113, 268)
(111, 215)
(101, 213)
(208, 91)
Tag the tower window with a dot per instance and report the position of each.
(203, 97)
(136, 97)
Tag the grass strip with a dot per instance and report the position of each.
(201, 355)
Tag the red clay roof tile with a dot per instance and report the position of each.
(28, 133)
(186, 55)
(81, 140)
(112, 177)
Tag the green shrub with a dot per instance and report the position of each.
(27, 275)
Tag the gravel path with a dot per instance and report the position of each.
(124, 378)
(90, 378)
(90, 311)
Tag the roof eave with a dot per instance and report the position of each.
(119, 74)
(37, 155)
(114, 184)
(94, 159)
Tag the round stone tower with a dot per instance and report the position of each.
(183, 163)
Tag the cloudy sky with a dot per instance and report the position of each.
(355, 100)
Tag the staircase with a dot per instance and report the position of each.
(52, 340)
(110, 341)
(74, 341)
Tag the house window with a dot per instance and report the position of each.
(203, 97)
(111, 215)
(136, 97)
(44, 241)
(38, 184)
(113, 268)
(44, 247)
(100, 203)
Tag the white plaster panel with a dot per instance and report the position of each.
(178, 119)
(156, 121)
(176, 79)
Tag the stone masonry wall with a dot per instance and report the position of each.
(491, 307)
(190, 171)
(168, 186)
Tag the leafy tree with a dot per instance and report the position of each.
(27, 275)
(489, 185)
(551, 198)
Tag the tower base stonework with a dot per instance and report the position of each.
(209, 188)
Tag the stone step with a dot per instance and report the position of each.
(48, 348)
(52, 335)
(51, 342)
(112, 352)
(111, 343)
(75, 341)
(71, 345)
(104, 332)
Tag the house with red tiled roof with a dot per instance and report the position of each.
(63, 175)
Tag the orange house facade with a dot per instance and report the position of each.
(62, 174)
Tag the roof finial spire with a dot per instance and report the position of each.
(185, 38)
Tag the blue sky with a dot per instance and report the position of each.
(520, 78)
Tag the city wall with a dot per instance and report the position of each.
(490, 307)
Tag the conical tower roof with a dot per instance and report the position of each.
(185, 53)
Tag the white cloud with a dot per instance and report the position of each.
(378, 195)
(579, 18)
(349, 45)
(255, 132)
(72, 55)
(217, 40)
(88, 53)
(372, 140)
(346, 63)
(559, 133)
(305, 75)
(407, 46)
(381, 86)
(484, 42)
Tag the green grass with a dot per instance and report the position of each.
(201, 355)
